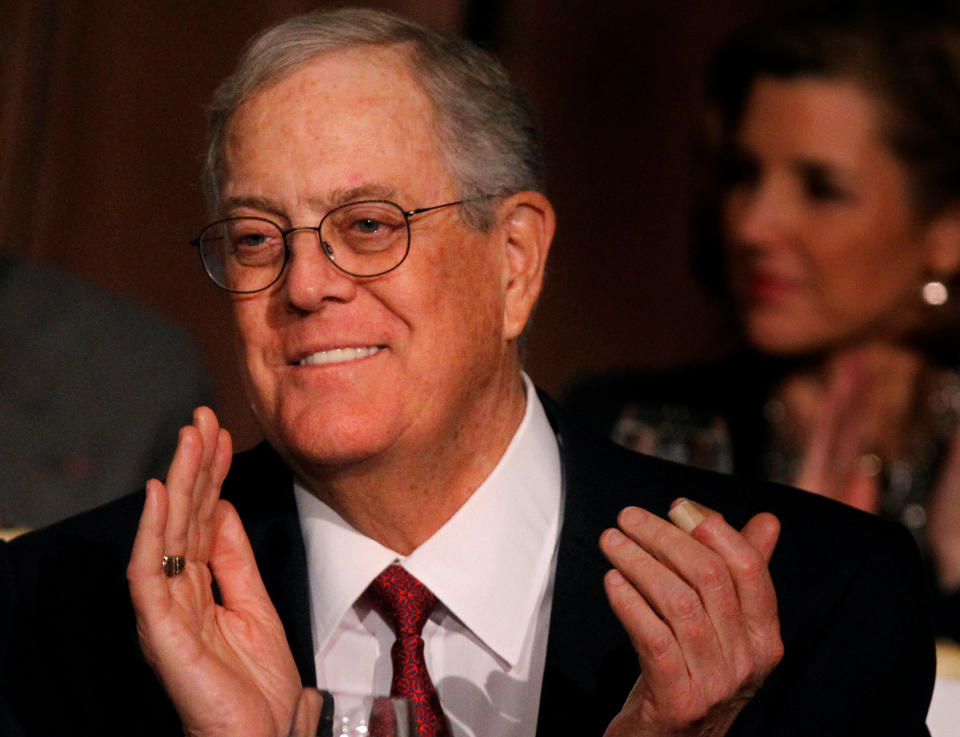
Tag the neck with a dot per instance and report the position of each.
(400, 498)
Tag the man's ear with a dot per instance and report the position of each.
(526, 222)
(943, 243)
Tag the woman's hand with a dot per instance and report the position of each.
(227, 667)
(834, 462)
(943, 519)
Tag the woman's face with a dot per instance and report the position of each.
(822, 244)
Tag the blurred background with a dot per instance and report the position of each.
(101, 133)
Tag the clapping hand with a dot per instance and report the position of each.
(834, 463)
(943, 513)
(700, 609)
(226, 666)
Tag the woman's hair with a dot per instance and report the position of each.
(905, 53)
(484, 124)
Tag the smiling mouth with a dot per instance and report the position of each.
(339, 355)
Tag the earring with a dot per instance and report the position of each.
(935, 293)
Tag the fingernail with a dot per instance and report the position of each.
(615, 578)
(632, 516)
(614, 536)
(686, 515)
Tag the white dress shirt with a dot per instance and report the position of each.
(492, 568)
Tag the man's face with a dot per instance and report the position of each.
(342, 369)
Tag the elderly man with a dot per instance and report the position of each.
(381, 228)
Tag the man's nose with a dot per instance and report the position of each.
(311, 277)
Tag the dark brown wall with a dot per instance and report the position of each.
(102, 124)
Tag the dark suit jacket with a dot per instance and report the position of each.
(859, 659)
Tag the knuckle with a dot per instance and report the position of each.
(772, 654)
(761, 662)
(684, 603)
(713, 574)
(767, 649)
(749, 565)
(657, 644)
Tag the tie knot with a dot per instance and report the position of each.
(402, 600)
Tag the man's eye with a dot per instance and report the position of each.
(367, 225)
(251, 239)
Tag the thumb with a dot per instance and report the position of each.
(233, 564)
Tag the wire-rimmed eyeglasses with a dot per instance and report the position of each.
(364, 239)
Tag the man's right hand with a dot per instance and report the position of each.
(227, 667)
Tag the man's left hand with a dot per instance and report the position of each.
(699, 606)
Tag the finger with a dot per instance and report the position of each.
(693, 563)
(746, 556)
(726, 614)
(762, 531)
(835, 443)
(815, 468)
(952, 465)
(205, 421)
(306, 718)
(862, 489)
(944, 502)
(217, 472)
(850, 406)
(148, 590)
(207, 425)
(665, 566)
(660, 655)
(181, 480)
(943, 513)
(218, 451)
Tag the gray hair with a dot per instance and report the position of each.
(484, 125)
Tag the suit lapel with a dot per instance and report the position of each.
(590, 665)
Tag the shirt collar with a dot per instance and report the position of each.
(488, 564)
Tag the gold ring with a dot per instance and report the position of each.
(173, 565)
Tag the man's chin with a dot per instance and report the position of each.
(322, 444)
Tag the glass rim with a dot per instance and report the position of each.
(214, 265)
(198, 242)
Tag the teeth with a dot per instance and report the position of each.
(338, 355)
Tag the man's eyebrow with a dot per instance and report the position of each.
(363, 192)
(321, 204)
(264, 204)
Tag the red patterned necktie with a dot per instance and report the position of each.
(406, 603)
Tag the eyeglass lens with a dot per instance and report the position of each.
(361, 239)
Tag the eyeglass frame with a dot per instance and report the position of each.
(407, 214)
